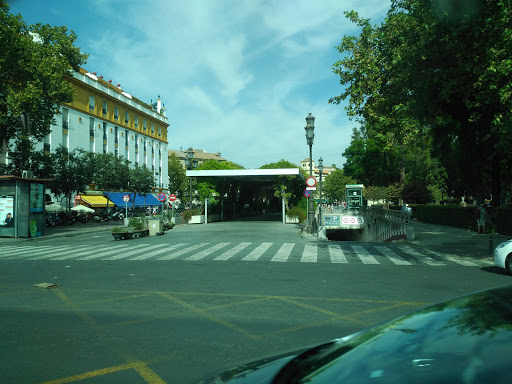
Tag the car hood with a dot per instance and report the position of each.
(470, 334)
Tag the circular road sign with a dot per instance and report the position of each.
(161, 197)
(311, 181)
(307, 193)
(126, 198)
(172, 197)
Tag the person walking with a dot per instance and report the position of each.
(481, 219)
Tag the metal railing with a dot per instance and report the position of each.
(385, 224)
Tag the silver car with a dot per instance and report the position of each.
(503, 255)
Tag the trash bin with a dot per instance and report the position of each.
(156, 227)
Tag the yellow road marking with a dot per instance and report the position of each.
(84, 316)
(208, 316)
(88, 375)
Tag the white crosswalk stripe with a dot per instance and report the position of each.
(134, 252)
(110, 252)
(284, 252)
(233, 251)
(336, 254)
(14, 251)
(364, 255)
(256, 253)
(330, 252)
(182, 251)
(455, 259)
(158, 252)
(73, 255)
(310, 254)
(426, 259)
(50, 252)
(206, 252)
(392, 256)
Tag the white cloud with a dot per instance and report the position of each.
(237, 77)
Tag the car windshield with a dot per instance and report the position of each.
(449, 344)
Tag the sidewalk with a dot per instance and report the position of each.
(457, 241)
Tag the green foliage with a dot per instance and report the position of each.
(298, 212)
(334, 186)
(188, 213)
(178, 182)
(138, 223)
(121, 229)
(451, 215)
(417, 192)
(291, 186)
(432, 83)
(34, 62)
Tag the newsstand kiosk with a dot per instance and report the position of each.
(22, 206)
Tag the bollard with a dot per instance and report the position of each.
(491, 250)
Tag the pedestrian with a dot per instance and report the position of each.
(9, 220)
(481, 218)
(407, 210)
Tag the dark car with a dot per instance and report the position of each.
(466, 340)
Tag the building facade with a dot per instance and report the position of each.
(104, 119)
(304, 164)
(198, 158)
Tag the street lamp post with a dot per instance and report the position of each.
(320, 170)
(191, 163)
(310, 135)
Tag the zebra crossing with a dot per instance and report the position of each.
(330, 252)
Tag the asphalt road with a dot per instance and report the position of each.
(115, 319)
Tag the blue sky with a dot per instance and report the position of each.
(236, 77)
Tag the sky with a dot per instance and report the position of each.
(237, 77)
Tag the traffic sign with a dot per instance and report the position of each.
(126, 198)
(311, 181)
(307, 193)
(172, 197)
(161, 197)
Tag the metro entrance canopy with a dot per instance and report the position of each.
(263, 176)
(247, 173)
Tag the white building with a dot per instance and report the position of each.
(104, 119)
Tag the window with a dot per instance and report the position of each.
(91, 128)
(126, 117)
(136, 121)
(116, 136)
(92, 103)
(144, 125)
(47, 146)
(116, 113)
(104, 108)
(65, 119)
(104, 137)
(152, 128)
(159, 131)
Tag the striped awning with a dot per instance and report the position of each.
(96, 201)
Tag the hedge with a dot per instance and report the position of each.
(499, 220)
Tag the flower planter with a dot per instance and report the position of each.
(122, 235)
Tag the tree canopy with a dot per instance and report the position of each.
(434, 79)
(34, 62)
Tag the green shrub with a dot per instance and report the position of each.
(137, 223)
(298, 212)
(188, 213)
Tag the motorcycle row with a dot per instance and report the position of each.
(69, 219)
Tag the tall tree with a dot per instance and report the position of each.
(140, 181)
(34, 62)
(441, 68)
(68, 173)
(334, 185)
(177, 176)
